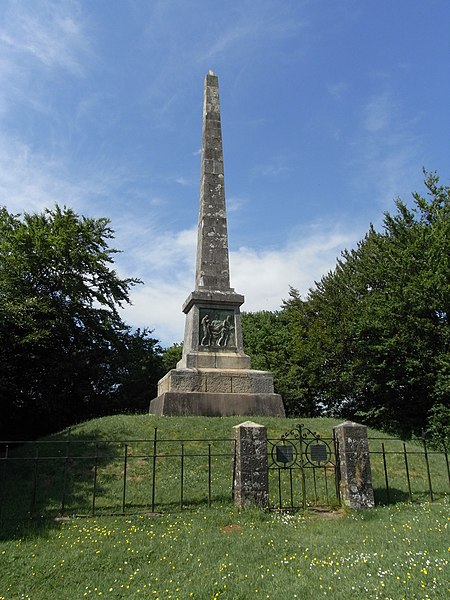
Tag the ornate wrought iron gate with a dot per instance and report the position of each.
(303, 470)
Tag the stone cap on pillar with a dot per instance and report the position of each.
(249, 424)
(350, 425)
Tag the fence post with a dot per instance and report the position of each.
(356, 489)
(425, 449)
(154, 468)
(35, 480)
(94, 482)
(3, 483)
(251, 479)
(125, 462)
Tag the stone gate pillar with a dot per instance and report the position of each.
(251, 479)
(354, 465)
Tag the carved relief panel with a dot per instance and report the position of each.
(216, 328)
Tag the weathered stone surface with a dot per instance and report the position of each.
(218, 382)
(354, 464)
(183, 404)
(251, 485)
(262, 381)
(212, 266)
(215, 380)
(215, 360)
(242, 385)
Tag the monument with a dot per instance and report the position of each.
(214, 377)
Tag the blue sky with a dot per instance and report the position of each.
(329, 112)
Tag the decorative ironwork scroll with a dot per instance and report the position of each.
(305, 452)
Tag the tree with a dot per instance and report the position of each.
(138, 368)
(377, 328)
(171, 356)
(274, 342)
(62, 335)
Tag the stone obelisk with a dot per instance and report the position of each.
(214, 377)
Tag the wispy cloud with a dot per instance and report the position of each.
(29, 181)
(338, 89)
(43, 45)
(252, 28)
(165, 261)
(158, 306)
(157, 252)
(235, 203)
(47, 32)
(263, 276)
(199, 40)
(378, 113)
(183, 181)
(389, 149)
(275, 167)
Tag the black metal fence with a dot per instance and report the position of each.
(88, 477)
(71, 476)
(408, 471)
(303, 470)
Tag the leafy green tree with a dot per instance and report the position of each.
(376, 328)
(62, 356)
(273, 342)
(137, 367)
(171, 356)
(438, 430)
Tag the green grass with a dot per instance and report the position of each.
(394, 551)
(400, 551)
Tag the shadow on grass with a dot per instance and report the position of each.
(393, 496)
(46, 480)
(49, 478)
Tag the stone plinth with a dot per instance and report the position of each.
(354, 464)
(216, 381)
(251, 483)
(216, 404)
(215, 392)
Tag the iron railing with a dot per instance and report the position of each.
(72, 476)
(408, 471)
(91, 477)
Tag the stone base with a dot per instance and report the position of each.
(225, 381)
(185, 404)
(205, 359)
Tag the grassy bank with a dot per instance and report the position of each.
(395, 551)
(108, 466)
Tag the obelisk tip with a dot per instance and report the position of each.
(210, 72)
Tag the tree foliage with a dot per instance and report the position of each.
(171, 356)
(274, 343)
(65, 352)
(379, 322)
(372, 340)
